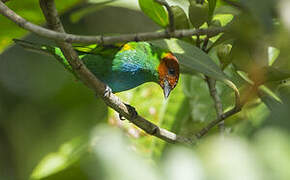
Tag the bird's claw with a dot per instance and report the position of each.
(132, 112)
(107, 92)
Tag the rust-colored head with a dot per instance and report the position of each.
(168, 70)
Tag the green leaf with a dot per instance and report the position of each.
(273, 54)
(67, 155)
(155, 11)
(211, 6)
(180, 18)
(200, 103)
(275, 74)
(184, 4)
(270, 99)
(223, 53)
(198, 13)
(225, 38)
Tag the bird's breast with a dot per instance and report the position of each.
(125, 80)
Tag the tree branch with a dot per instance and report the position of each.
(70, 38)
(212, 124)
(96, 85)
(217, 101)
(238, 107)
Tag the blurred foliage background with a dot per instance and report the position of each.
(53, 127)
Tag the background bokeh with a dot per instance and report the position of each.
(53, 127)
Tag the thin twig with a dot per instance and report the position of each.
(217, 101)
(204, 45)
(170, 14)
(70, 38)
(213, 92)
(197, 43)
(212, 124)
(238, 107)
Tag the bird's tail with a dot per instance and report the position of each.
(44, 49)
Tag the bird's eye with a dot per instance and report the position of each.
(171, 71)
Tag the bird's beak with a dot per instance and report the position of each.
(166, 89)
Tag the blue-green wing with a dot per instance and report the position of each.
(99, 65)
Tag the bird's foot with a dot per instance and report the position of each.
(107, 92)
(132, 112)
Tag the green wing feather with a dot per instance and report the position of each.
(97, 49)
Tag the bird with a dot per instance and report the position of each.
(121, 66)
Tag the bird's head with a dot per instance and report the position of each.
(168, 71)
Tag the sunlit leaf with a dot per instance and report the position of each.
(184, 4)
(155, 11)
(273, 54)
(68, 154)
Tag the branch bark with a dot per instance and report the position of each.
(71, 38)
(212, 124)
(217, 101)
(213, 92)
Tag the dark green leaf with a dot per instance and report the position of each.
(275, 74)
(198, 13)
(211, 6)
(269, 98)
(180, 18)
